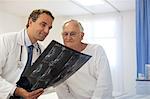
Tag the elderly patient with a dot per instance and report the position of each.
(93, 80)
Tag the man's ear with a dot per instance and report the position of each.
(82, 35)
(30, 21)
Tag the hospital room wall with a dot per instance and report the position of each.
(129, 51)
(11, 23)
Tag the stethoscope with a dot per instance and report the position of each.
(38, 49)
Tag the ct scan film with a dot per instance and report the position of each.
(54, 65)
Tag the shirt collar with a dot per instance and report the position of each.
(26, 39)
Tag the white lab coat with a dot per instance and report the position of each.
(10, 66)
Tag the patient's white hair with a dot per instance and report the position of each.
(77, 22)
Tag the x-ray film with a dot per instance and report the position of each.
(56, 64)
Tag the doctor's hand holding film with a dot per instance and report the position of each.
(28, 95)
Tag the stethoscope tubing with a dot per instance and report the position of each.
(21, 50)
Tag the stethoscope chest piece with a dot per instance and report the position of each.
(19, 64)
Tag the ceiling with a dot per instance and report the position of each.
(64, 7)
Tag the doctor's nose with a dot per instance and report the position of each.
(46, 30)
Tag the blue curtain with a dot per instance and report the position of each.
(142, 34)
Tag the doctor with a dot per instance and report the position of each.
(13, 53)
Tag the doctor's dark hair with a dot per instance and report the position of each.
(35, 14)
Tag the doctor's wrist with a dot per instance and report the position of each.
(20, 92)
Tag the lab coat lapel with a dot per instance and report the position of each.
(20, 41)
